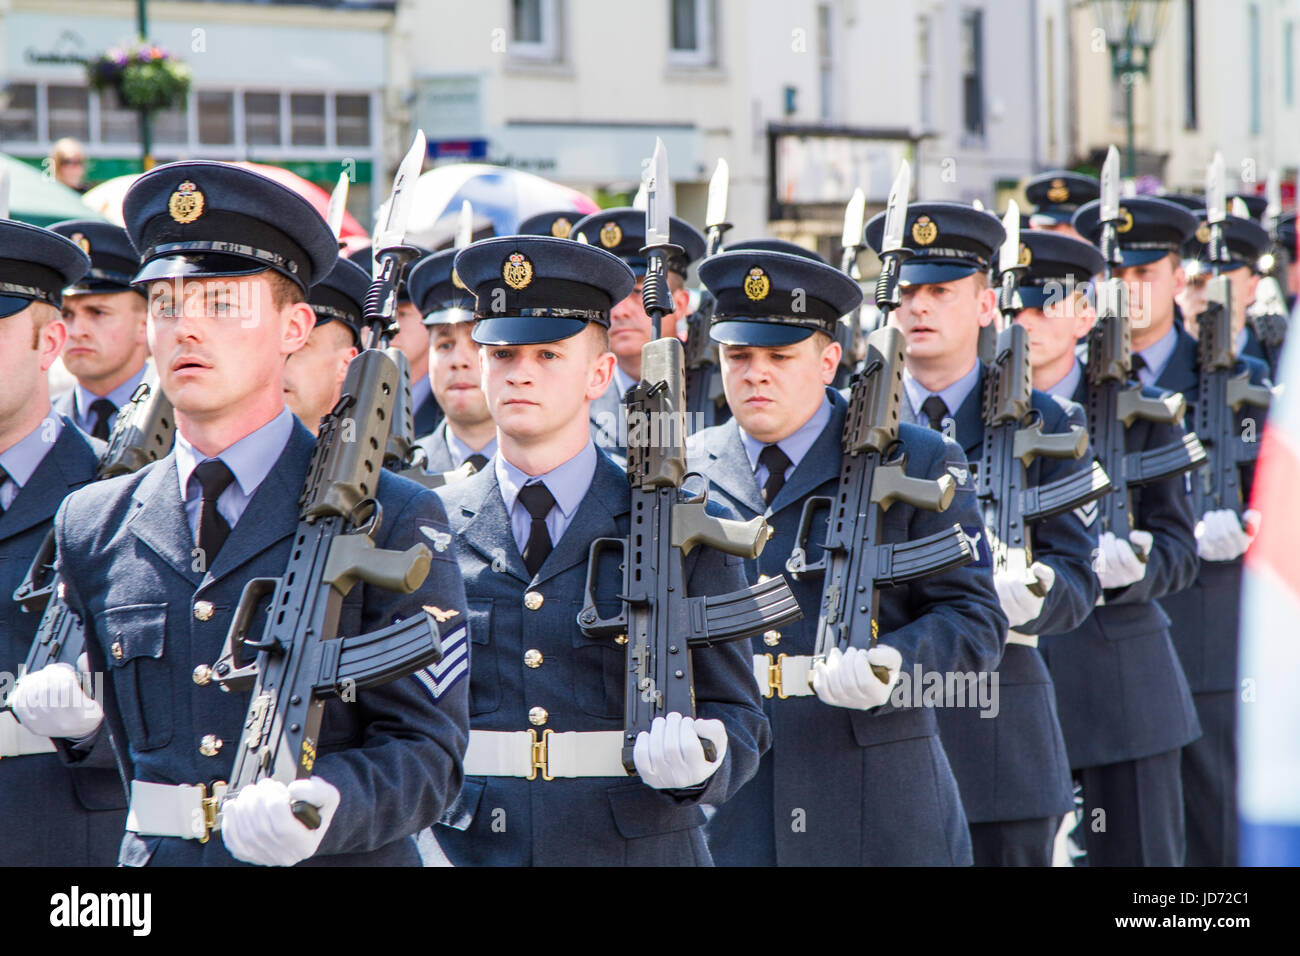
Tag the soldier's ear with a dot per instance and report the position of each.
(299, 320)
(600, 375)
(51, 337)
(830, 361)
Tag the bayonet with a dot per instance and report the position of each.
(892, 251)
(656, 297)
(715, 215)
(338, 205)
(464, 226)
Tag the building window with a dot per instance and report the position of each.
(216, 117)
(924, 61)
(69, 112)
(972, 80)
(262, 119)
(535, 30)
(307, 119)
(18, 113)
(691, 33)
(1288, 60)
(1252, 17)
(118, 124)
(1189, 65)
(352, 120)
(171, 127)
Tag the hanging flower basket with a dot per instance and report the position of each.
(146, 77)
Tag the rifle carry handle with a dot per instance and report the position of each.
(589, 619)
(797, 564)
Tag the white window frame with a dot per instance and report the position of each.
(705, 54)
(547, 50)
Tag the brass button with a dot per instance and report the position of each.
(533, 657)
(533, 600)
(210, 744)
(537, 716)
(203, 610)
(771, 638)
(117, 650)
(202, 674)
(762, 578)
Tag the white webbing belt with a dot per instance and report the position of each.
(1015, 637)
(17, 741)
(185, 810)
(494, 753)
(786, 676)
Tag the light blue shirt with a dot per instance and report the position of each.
(22, 458)
(1157, 356)
(250, 460)
(621, 383)
(567, 483)
(1242, 338)
(460, 451)
(1066, 386)
(952, 396)
(119, 396)
(795, 445)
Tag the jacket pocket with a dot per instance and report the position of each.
(599, 672)
(484, 669)
(640, 811)
(135, 638)
(460, 815)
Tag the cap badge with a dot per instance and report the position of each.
(1203, 233)
(1058, 191)
(1026, 256)
(924, 231)
(561, 227)
(517, 271)
(455, 280)
(610, 235)
(186, 203)
(1125, 220)
(81, 240)
(757, 284)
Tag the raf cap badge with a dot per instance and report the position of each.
(1125, 220)
(517, 271)
(1026, 256)
(561, 227)
(186, 203)
(924, 230)
(81, 240)
(1203, 233)
(757, 284)
(1058, 191)
(610, 235)
(455, 280)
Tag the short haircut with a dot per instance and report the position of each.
(42, 314)
(599, 335)
(981, 280)
(821, 339)
(284, 291)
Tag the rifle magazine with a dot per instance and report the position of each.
(908, 560)
(752, 610)
(1065, 494)
(367, 660)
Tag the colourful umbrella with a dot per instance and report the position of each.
(37, 199)
(505, 196)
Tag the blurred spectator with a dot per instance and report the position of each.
(68, 164)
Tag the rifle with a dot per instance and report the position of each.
(1268, 314)
(143, 433)
(1009, 303)
(848, 330)
(704, 395)
(1114, 402)
(1222, 392)
(657, 620)
(1013, 436)
(872, 479)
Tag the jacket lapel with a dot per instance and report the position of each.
(59, 473)
(822, 461)
(730, 470)
(488, 530)
(970, 419)
(1179, 373)
(607, 498)
(272, 512)
(158, 518)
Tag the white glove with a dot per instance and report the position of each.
(52, 703)
(671, 757)
(1220, 536)
(259, 827)
(1018, 602)
(845, 678)
(1118, 564)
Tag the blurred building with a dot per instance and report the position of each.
(1223, 77)
(294, 84)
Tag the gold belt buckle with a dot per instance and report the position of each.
(540, 756)
(210, 808)
(775, 684)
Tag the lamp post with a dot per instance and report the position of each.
(1131, 28)
(146, 131)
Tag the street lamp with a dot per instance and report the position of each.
(1131, 28)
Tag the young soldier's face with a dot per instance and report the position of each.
(1193, 298)
(25, 356)
(106, 332)
(942, 319)
(314, 374)
(454, 374)
(412, 334)
(1054, 329)
(221, 342)
(538, 392)
(774, 391)
(1151, 291)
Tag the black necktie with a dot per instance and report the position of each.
(1138, 364)
(4, 476)
(776, 462)
(103, 409)
(935, 410)
(538, 501)
(478, 460)
(214, 477)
